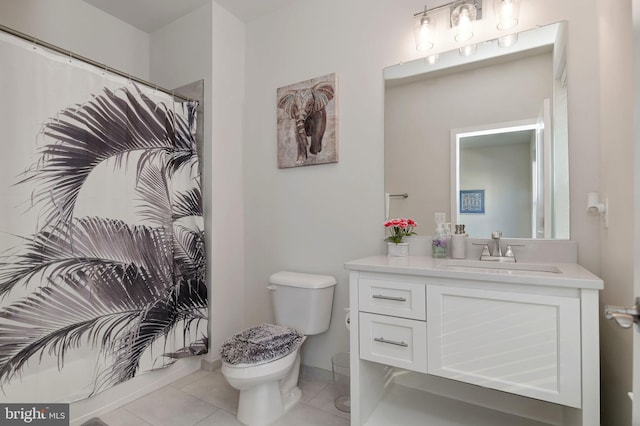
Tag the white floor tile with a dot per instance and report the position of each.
(191, 378)
(303, 414)
(310, 387)
(170, 407)
(122, 417)
(220, 418)
(215, 390)
(325, 400)
(205, 398)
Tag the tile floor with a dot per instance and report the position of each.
(204, 398)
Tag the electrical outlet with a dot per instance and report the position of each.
(441, 217)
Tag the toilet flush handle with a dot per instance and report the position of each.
(272, 287)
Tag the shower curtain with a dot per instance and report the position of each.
(102, 257)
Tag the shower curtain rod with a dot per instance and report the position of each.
(72, 55)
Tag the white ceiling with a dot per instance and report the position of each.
(248, 10)
(150, 15)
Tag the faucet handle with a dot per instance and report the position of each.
(485, 250)
(509, 252)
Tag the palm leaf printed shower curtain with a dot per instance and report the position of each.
(102, 262)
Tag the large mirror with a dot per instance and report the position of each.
(482, 138)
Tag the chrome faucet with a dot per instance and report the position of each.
(497, 250)
(496, 254)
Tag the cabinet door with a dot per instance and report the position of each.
(519, 343)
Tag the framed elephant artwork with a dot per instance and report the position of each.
(308, 122)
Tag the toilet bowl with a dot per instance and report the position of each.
(267, 390)
(268, 379)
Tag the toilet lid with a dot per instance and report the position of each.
(260, 344)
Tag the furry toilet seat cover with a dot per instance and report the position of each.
(259, 344)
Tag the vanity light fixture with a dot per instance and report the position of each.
(462, 16)
(507, 13)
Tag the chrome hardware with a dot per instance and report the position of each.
(395, 299)
(509, 252)
(497, 250)
(496, 255)
(390, 342)
(623, 315)
(485, 249)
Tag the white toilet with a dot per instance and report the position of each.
(269, 387)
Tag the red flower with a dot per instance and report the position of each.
(400, 228)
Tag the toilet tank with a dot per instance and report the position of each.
(302, 301)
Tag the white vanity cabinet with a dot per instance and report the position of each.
(431, 345)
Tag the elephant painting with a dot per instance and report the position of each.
(307, 131)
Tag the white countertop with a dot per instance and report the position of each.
(570, 275)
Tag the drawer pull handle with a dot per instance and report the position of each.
(390, 342)
(396, 299)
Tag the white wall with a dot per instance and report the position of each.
(314, 219)
(77, 26)
(616, 147)
(228, 192)
(209, 44)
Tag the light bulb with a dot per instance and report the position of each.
(462, 19)
(424, 30)
(468, 50)
(432, 59)
(507, 12)
(508, 40)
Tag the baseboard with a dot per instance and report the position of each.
(316, 373)
(213, 365)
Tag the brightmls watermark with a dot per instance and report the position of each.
(34, 414)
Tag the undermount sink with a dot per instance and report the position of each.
(461, 265)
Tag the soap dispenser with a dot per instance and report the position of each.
(459, 243)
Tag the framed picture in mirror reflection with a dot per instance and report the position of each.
(472, 201)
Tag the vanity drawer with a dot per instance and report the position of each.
(394, 341)
(389, 297)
